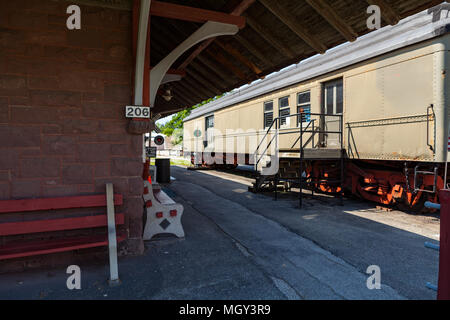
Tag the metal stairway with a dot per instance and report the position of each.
(286, 167)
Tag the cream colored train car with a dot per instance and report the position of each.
(383, 100)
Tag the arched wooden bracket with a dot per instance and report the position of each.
(209, 30)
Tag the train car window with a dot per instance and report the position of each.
(333, 97)
(304, 107)
(268, 114)
(209, 136)
(285, 110)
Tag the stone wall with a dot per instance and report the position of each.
(62, 98)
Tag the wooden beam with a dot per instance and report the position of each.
(175, 71)
(195, 96)
(388, 13)
(240, 8)
(200, 67)
(202, 80)
(230, 66)
(196, 52)
(270, 37)
(178, 90)
(180, 12)
(253, 49)
(239, 56)
(290, 21)
(330, 15)
(204, 90)
(216, 66)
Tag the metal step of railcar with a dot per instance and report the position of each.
(313, 154)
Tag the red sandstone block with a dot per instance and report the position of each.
(12, 85)
(86, 189)
(55, 98)
(59, 145)
(133, 207)
(94, 152)
(27, 20)
(35, 114)
(51, 129)
(24, 189)
(119, 149)
(125, 167)
(59, 190)
(101, 170)
(30, 152)
(40, 82)
(124, 78)
(85, 38)
(77, 174)
(103, 110)
(55, 37)
(135, 227)
(136, 186)
(8, 158)
(118, 93)
(119, 52)
(4, 109)
(4, 176)
(81, 81)
(112, 137)
(78, 126)
(39, 167)
(92, 96)
(5, 191)
(19, 136)
(107, 66)
(114, 126)
(120, 185)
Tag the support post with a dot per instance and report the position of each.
(112, 238)
(444, 246)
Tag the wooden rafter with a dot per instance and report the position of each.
(271, 38)
(330, 15)
(197, 76)
(240, 8)
(239, 56)
(253, 49)
(189, 91)
(388, 13)
(180, 12)
(290, 21)
(202, 68)
(203, 89)
(231, 67)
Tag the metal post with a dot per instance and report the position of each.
(112, 239)
(276, 150)
(342, 159)
(301, 163)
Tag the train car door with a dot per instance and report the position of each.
(332, 104)
(209, 131)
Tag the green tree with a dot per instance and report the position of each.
(170, 127)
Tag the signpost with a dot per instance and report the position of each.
(137, 112)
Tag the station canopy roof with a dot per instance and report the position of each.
(276, 34)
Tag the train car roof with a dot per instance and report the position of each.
(415, 29)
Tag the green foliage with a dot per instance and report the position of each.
(175, 125)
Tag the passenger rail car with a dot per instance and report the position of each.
(379, 103)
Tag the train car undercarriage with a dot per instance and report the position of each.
(406, 185)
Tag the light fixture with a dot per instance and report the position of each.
(167, 95)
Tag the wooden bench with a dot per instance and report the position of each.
(163, 214)
(25, 248)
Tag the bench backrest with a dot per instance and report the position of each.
(37, 226)
(10, 206)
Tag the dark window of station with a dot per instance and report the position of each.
(285, 111)
(268, 114)
(304, 107)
